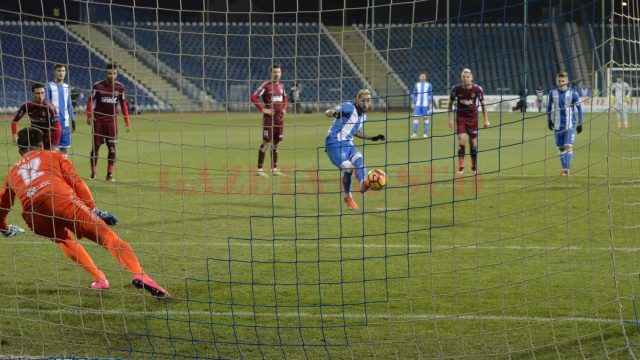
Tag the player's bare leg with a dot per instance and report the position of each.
(462, 143)
(261, 154)
(473, 152)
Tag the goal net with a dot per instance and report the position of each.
(510, 260)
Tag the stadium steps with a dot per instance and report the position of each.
(363, 55)
(581, 58)
(135, 68)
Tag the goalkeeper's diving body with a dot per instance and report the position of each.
(57, 204)
(348, 123)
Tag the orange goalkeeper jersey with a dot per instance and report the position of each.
(42, 175)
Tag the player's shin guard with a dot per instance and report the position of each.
(261, 153)
(111, 158)
(274, 156)
(346, 183)
(569, 158)
(563, 159)
(461, 152)
(415, 126)
(76, 252)
(120, 250)
(473, 152)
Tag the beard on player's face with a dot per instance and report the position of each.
(275, 75)
(111, 76)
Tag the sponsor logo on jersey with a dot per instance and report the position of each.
(33, 190)
(466, 102)
(276, 98)
(108, 100)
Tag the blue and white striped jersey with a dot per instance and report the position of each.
(422, 94)
(60, 96)
(346, 126)
(560, 109)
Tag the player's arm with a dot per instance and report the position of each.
(284, 102)
(549, 108)
(72, 114)
(255, 99)
(414, 95)
(578, 105)
(452, 98)
(90, 106)
(70, 176)
(56, 127)
(14, 122)
(431, 99)
(360, 134)
(335, 112)
(7, 196)
(125, 112)
(485, 112)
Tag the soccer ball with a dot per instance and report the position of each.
(377, 179)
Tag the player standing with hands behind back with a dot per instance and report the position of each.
(274, 109)
(466, 95)
(107, 94)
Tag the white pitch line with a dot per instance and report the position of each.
(423, 317)
(314, 244)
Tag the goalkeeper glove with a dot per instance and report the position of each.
(107, 217)
(550, 124)
(12, 231)
(627, 98)
(613, 99)
(579, 129)
(378, 137)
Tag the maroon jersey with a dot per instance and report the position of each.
(42, 116)
(467, 100)
(107, 96)
(273, 96)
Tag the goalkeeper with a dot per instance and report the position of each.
(56, 204)
(621, 100)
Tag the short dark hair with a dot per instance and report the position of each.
(29, 137)
(111, 66)
(36, 86)
(563, 74)
(58, 65)
(276, 66)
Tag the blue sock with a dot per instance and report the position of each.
(426, 127)
(360, 169)
(569, 158)
(346, 182)
(415, 126)
(563, 160)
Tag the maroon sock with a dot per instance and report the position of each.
(274, 157)
(261, 152)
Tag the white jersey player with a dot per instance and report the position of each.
(621, 100)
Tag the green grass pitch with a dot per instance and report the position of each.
(518, 263)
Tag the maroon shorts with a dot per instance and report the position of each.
(467, 125)
(272, 129)
(105, 132)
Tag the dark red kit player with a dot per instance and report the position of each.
(43, 116)
(275, 107)
(107, 94)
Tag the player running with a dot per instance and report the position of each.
(59, 94)
(275, 108)
(349, 120)
(466, 96)
(421, 103)
(107, 94)
(56, 204)
(561, 119)
(621, 100)
(43, 116)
